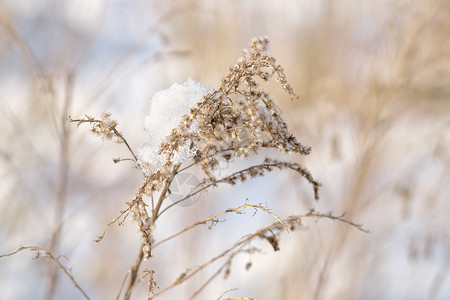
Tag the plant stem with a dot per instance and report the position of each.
(133, 274)
(135, 267)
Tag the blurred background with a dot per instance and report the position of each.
(374, 82)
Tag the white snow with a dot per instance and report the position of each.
(167, 108)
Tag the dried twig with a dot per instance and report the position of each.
(252, 171)
(106, 128)
(40, 252)
(237, 210)
(223, 294)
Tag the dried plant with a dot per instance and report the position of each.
(234, 121)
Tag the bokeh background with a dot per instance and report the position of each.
(374, 81)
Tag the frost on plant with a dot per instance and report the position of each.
(167, 109)
(235, 120)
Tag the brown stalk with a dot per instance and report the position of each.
(163, 194)
(135, 267)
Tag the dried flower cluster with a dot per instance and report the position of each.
(166, 110)
(235, 120)
(106, 127)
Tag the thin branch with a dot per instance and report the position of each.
(44, 253)
(124, 213)
(187, 167)
(313, 213)
(122, 284)
(119, 159)
(133, 274)
(120, 136)
(237, 210)
(91, 120)
(164, 193)
(293, 221)
(252, 171)
(210, 279)
(219, 270)
(223, 294)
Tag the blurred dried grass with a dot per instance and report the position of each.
(374, 80)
